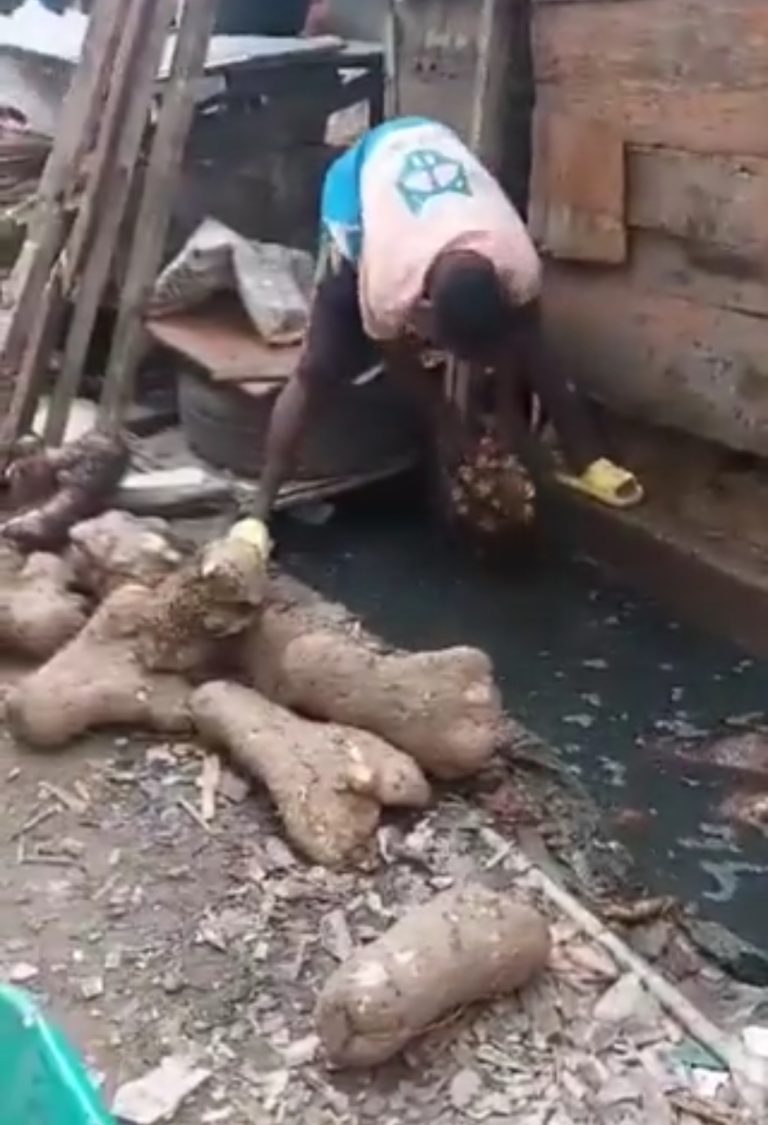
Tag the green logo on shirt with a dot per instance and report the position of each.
(427, 174)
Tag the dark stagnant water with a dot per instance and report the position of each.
(599, 673)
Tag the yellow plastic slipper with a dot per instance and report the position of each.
(606, 482)
(255, 533)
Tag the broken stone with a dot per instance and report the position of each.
(278, 855)
(302, 1051)
(173, 981)
(22, 972)
(233, 787)
(91, 988)
(158, 1094)
(465, 1087)
(335, 936)
(629, 1006)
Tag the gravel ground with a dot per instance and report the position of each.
(151, 934)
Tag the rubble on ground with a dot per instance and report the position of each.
(154, 903)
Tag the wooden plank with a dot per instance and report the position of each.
(80, 112)
(220, 338)
(704, 274)
(719, 203)
(664, 359)
(695, 118)
(577, 189)
(483, 134)
(29, 381)
(108, 128)
(131, 95)
(687, 43)
(154, 211)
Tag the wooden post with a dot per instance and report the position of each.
(105, 202)
(31, 275)
(492, 60)
(154, 211)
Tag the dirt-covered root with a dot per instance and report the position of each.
(38, 611)
(467, 944)
(442, 708)
(98, 679)
(327, 781)
(53, 489)
(212, 597)
(116, 548)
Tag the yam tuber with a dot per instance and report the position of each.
(442, 708)
(125, 667)
(58, 487)
(38, 612)
(327, 781)
(98, 680)
(464, 945)
(116, 547)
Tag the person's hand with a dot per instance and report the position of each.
(255, 533)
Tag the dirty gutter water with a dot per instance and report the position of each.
(600, 674)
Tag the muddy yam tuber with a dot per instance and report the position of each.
(38, 612)
(466, 944)
(128, 663)
(327, 781)
(442, 708)
(98, 680)
(58, 487)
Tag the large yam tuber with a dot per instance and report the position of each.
(99, 680)
(126, 666)
(58, 487)
(116, 548)
(442, 708)
(38, 612)
(328, 782)
(467, 944)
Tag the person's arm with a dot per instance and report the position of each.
(333, 352)
(588, 468)
(286, 427)
(567, 409)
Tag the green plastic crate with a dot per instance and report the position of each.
(42, 1079)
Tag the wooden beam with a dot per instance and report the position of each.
(104, 205)
(43, 244)
(483, 133)
(154, 211)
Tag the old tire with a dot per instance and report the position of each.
(362, 429)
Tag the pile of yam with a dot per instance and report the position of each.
(125, 628)
(133, 631)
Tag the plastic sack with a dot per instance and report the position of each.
(273, 282)
(202, 267)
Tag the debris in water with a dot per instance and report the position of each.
(583, 721)
(158, 1094)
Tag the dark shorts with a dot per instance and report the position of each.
(336, 346)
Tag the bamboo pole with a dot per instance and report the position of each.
(125, 123)
(43, 244)
(154, 211)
